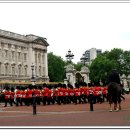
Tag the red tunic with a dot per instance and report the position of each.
(23, 94)
(81, 89)
(54, 92)
(18, 94)
(86, 91)
(70, 92)
(29, 93)
(99, 90)
(49, 93)
(7, 95)
(95, 91)
(36, 92)
(12, 95)
(66, 92)
(104, 90)
(41, 93)
(76, 92)
(45, 92)
(90, 90)
(60, 91)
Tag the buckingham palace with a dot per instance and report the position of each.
(17, 54)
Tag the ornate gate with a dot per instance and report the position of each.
(79, 77)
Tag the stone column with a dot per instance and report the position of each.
(3, 69)
(85, 73)
(31, 60)
(40, 64)
(46, 64)
(70, 74)
(35, 59)
(124, 80)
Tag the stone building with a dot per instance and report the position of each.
(18, 53)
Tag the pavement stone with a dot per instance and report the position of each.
(66, 116)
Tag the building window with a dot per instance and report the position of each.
(36, 71)
(6, 54)
(9, 69)
(13, 70)
(0, 53)
(2, 45)
(0, 68)
(19, 56)
(25, 57)
(25, 71)
(39, 71)
(6, 70)
(19, 70)
(36, 58)
(39, 58)
(13, 55)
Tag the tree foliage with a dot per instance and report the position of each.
(78, 66)
(99, 68)
(104, 63)
(55, 68)
(125, 63)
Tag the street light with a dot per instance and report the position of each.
(33, 96)
(84, 59)
(69, 55)
(33, 78)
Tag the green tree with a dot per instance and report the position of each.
(125, 63)
(116, 56)
(100, 68)
(104, 63)
(78, 66)
(56, 70)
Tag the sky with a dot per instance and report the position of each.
(74, 26)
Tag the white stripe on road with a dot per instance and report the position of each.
(49, 113)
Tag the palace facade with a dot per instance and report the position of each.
(18, 53)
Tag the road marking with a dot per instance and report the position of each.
(50, 113)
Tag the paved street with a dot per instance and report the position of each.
(66, 115)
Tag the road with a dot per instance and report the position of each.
(67, 116)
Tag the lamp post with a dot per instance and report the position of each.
(32, 67)
(33, 96)
(69, 56)
(83, 58)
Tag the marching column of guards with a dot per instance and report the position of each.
(54, 94)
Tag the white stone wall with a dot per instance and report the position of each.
(17, 53)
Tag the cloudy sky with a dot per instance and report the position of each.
(74, 26)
